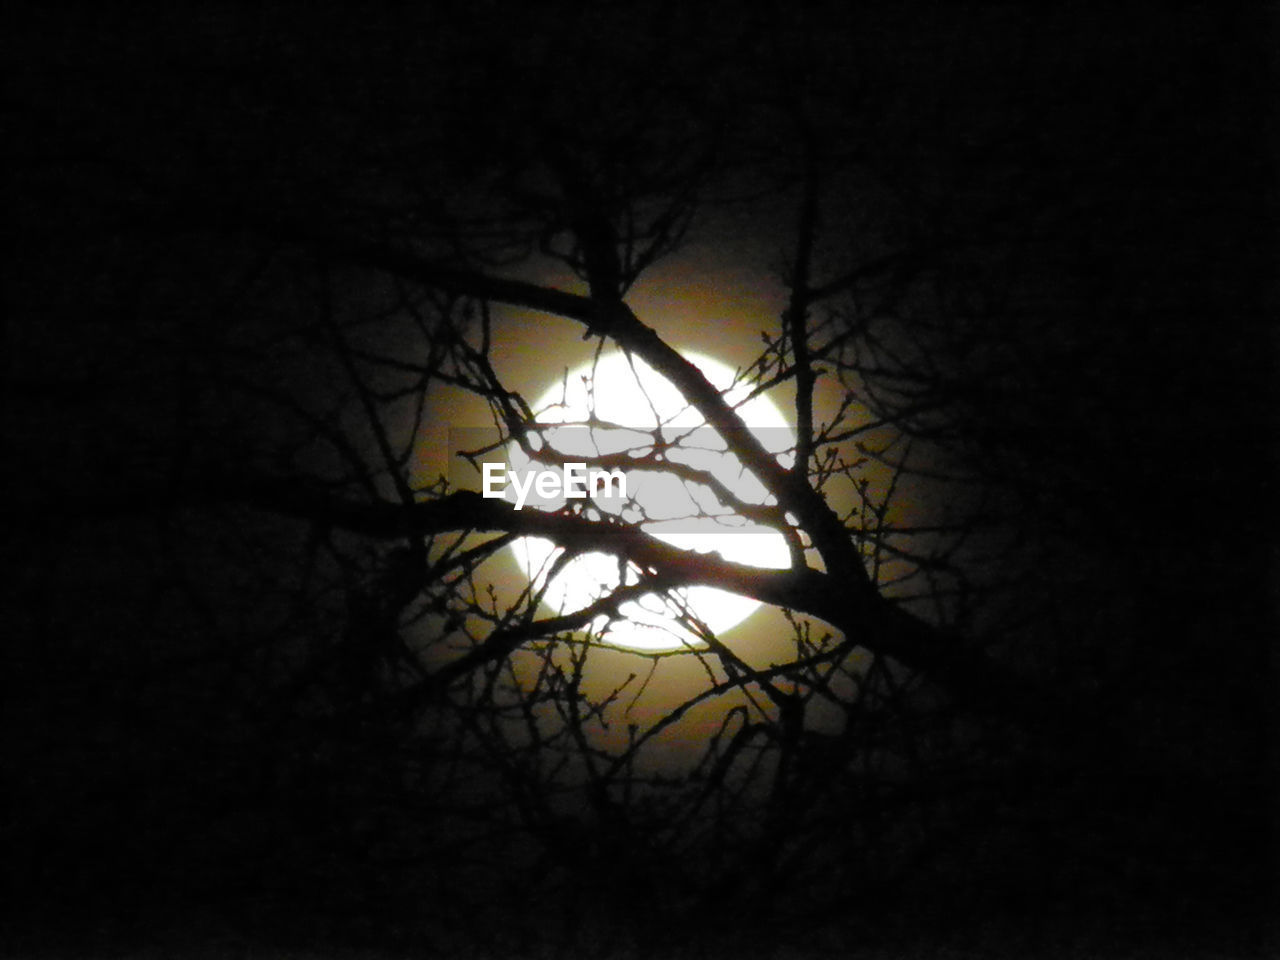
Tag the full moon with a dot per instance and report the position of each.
(620, 405)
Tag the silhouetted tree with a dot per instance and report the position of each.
(271, 675)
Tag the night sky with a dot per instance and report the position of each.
(267, 269)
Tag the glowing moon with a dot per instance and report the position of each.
(621, 405)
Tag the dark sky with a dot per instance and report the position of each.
(174, 177)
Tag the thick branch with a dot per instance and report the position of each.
(864, 618)
(792, 490)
